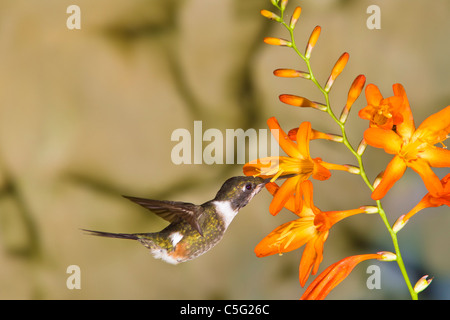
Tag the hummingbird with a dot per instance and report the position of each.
(193, 229)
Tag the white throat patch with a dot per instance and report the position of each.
(223, 208)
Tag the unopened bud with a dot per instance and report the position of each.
(353, 169)
(297, 101)
(362, 147)
(315, 134)
(422, 284)
(353, 94)
(295, 17)
(312, 41)
(270, 15)
(378, 179)
(399, 224)
(283, 4)
(337, 69)
(369, 209)
(290, 73)
(387, 256)
(277, 41)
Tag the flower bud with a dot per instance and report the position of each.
(277, 41)
(315, 134)
(312, 41)
(353, 94)
(387, 256)
(337, 69)
(297, 101)
(270, 15)
(399, 224)
(362, 147)
(422, 284)
(295, 17)
(378, 179)
(290, 73)
(352, 169)
(369, 209)
(283, 4)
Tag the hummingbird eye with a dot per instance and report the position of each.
(248, 187)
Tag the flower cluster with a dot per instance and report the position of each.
(391, 127)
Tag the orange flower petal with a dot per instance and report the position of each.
(283, 140)
(310, 256)
(333, 275)
(366, 112)
(423, 204)
(283, 194)
(263, 167)
(303, 138)
(394, 171)
(373, 95)
(273, 188)
(381, 138)
(320, 171)
(435, 128)
(431, 180)
(436, 157)
(287, 237)
(336, 216)
(307, 190)
(406, 128)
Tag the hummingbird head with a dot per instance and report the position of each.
(240, 190)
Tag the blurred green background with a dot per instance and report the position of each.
(87, 115)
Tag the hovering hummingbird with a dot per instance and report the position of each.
(193, 229)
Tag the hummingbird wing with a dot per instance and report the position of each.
(173, 210)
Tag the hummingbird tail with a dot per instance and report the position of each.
(112, 235)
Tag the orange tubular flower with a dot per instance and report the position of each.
(384, 113)
(311, 228)
(299, 162)
(412, 148)
(429, 200)
(334, 274)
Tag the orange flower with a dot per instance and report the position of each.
(428, 201)
(311, 229)
(384, 113)
(334, 274)
(413, 148)
(299, 163)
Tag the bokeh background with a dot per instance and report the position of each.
(87, 115)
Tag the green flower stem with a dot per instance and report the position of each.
(362, 173)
